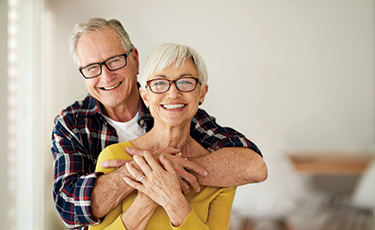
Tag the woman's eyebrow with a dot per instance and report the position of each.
(160, 76)
(164, 76)
(185, 74)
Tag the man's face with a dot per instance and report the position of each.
(113, 89)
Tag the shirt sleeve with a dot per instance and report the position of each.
(212, 136)
(219, 216)
(73, 182)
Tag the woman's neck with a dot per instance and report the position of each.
(162, 137)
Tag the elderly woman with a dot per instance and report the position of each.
(176, 85)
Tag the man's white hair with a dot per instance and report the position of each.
(97, 24)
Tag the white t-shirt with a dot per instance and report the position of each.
(127, 130)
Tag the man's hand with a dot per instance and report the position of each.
(181, 165)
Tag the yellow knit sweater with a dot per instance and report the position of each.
(210, 208)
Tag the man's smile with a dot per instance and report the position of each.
(112, 87)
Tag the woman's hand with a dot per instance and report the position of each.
(160, 183)
(182, 166)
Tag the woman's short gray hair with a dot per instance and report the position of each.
(97, 24)
(169, 53)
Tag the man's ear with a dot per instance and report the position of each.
(136, 58)
(203, 93)
(143, 94)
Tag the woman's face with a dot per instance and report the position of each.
(175, 108)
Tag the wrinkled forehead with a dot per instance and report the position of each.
(175, 69)
(98, 45)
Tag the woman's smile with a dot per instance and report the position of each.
(173, 106)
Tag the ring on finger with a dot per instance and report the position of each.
(140, 179)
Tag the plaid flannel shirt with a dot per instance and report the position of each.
(81, 133)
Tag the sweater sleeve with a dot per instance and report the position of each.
(219, 216)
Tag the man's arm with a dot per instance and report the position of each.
(108, 191)
(231, 166)
(81, 196)
(227, 167)
(72, 180)
(234, 160)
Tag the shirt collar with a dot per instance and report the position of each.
(89, 107)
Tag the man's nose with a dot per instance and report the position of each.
(106, 73)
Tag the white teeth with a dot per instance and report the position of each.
(174, 106)
(109, 88)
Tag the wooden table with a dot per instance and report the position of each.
(330, 163)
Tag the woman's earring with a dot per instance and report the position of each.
(200, 103)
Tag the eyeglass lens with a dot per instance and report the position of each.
(186, 84)
(112, 64)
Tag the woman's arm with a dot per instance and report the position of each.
(139, 212)
(219, 213)
(160, 184)
(221, 208)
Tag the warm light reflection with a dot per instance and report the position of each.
(13, 41)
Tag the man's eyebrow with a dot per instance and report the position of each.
(92, 63)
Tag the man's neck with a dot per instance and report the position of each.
(124, 112)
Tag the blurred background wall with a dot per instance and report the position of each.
(291, 75)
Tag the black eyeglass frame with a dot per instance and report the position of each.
(171, 82)
(126, 55)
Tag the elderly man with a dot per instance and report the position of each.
(113, 112)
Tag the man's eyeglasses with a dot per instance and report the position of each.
(183, 84)
(112, 64)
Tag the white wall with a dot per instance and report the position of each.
(289, 74)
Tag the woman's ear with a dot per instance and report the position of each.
(203, 94)
(143, 94)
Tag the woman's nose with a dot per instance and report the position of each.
(173, 92)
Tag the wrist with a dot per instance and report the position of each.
(177, 211)
(145, 201)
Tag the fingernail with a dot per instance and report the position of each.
(199, 189)
(205, 173)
